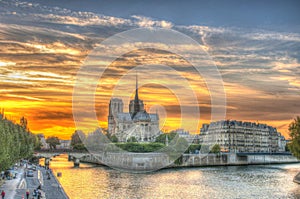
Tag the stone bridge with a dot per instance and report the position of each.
(127, 161)
(72, 155)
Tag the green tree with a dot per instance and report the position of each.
(181, 145)
(216, 149)
(23, 122)
(53, 141)
(162, 138)
(294, 129)
(132, 139)
(37, 142)
(193, 148)
(140, 147)
(287, 147)
(114, 138)
(16, 142)
(97, 140)
(79, 147)
(179, 160)
(78, 137)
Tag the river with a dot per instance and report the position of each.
(93, 182)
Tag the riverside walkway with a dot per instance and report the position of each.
(16, 188)
(51, 187)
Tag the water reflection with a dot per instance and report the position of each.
(90, 182)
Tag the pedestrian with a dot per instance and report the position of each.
(34, 192)
(39, 194)
(3, 194)
(27, 194)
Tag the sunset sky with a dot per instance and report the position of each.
(255, 46)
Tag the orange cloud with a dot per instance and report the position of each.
(39, 64)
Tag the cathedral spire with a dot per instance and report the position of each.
(137, 101)
(136, 98)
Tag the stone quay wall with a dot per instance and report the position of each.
(129, 161)
(190, 160)
(152, 161)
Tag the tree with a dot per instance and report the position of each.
(132, 139)
(181, 145)
(52, 141)
(140, 147)
(162, 137)
(294, 129)
(114, 138)
(37, 143)
(216, 149)
(23, 122)
(16, 142)
(193, 148)
(78, 137)
(79, 147)
(96, 141)
(287, 147)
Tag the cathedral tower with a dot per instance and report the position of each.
(115, 107)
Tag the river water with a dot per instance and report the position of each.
(93, 182)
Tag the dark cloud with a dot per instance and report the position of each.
(56, 115)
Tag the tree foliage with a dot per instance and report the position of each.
(95, 141)
(176, 148)
(193, 148)
(23, 122)
(114, 139)
(294, 129)
(216, 149)
(181, 145)
(162, 138)
(140, 147)
(79, 147)
(78, 137)
(53, 141)
(16, 142)
(132, 139)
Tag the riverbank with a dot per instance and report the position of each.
(52, 187)
(235, 159)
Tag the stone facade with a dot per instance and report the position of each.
(45, 145)
(238, 136)
(135, 123)
(190, 138)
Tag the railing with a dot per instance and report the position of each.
(263, 153)
(60, 151)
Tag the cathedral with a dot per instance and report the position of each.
(135, 123)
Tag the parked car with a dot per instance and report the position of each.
(29, 173)
(10, 174)
(33, 168)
